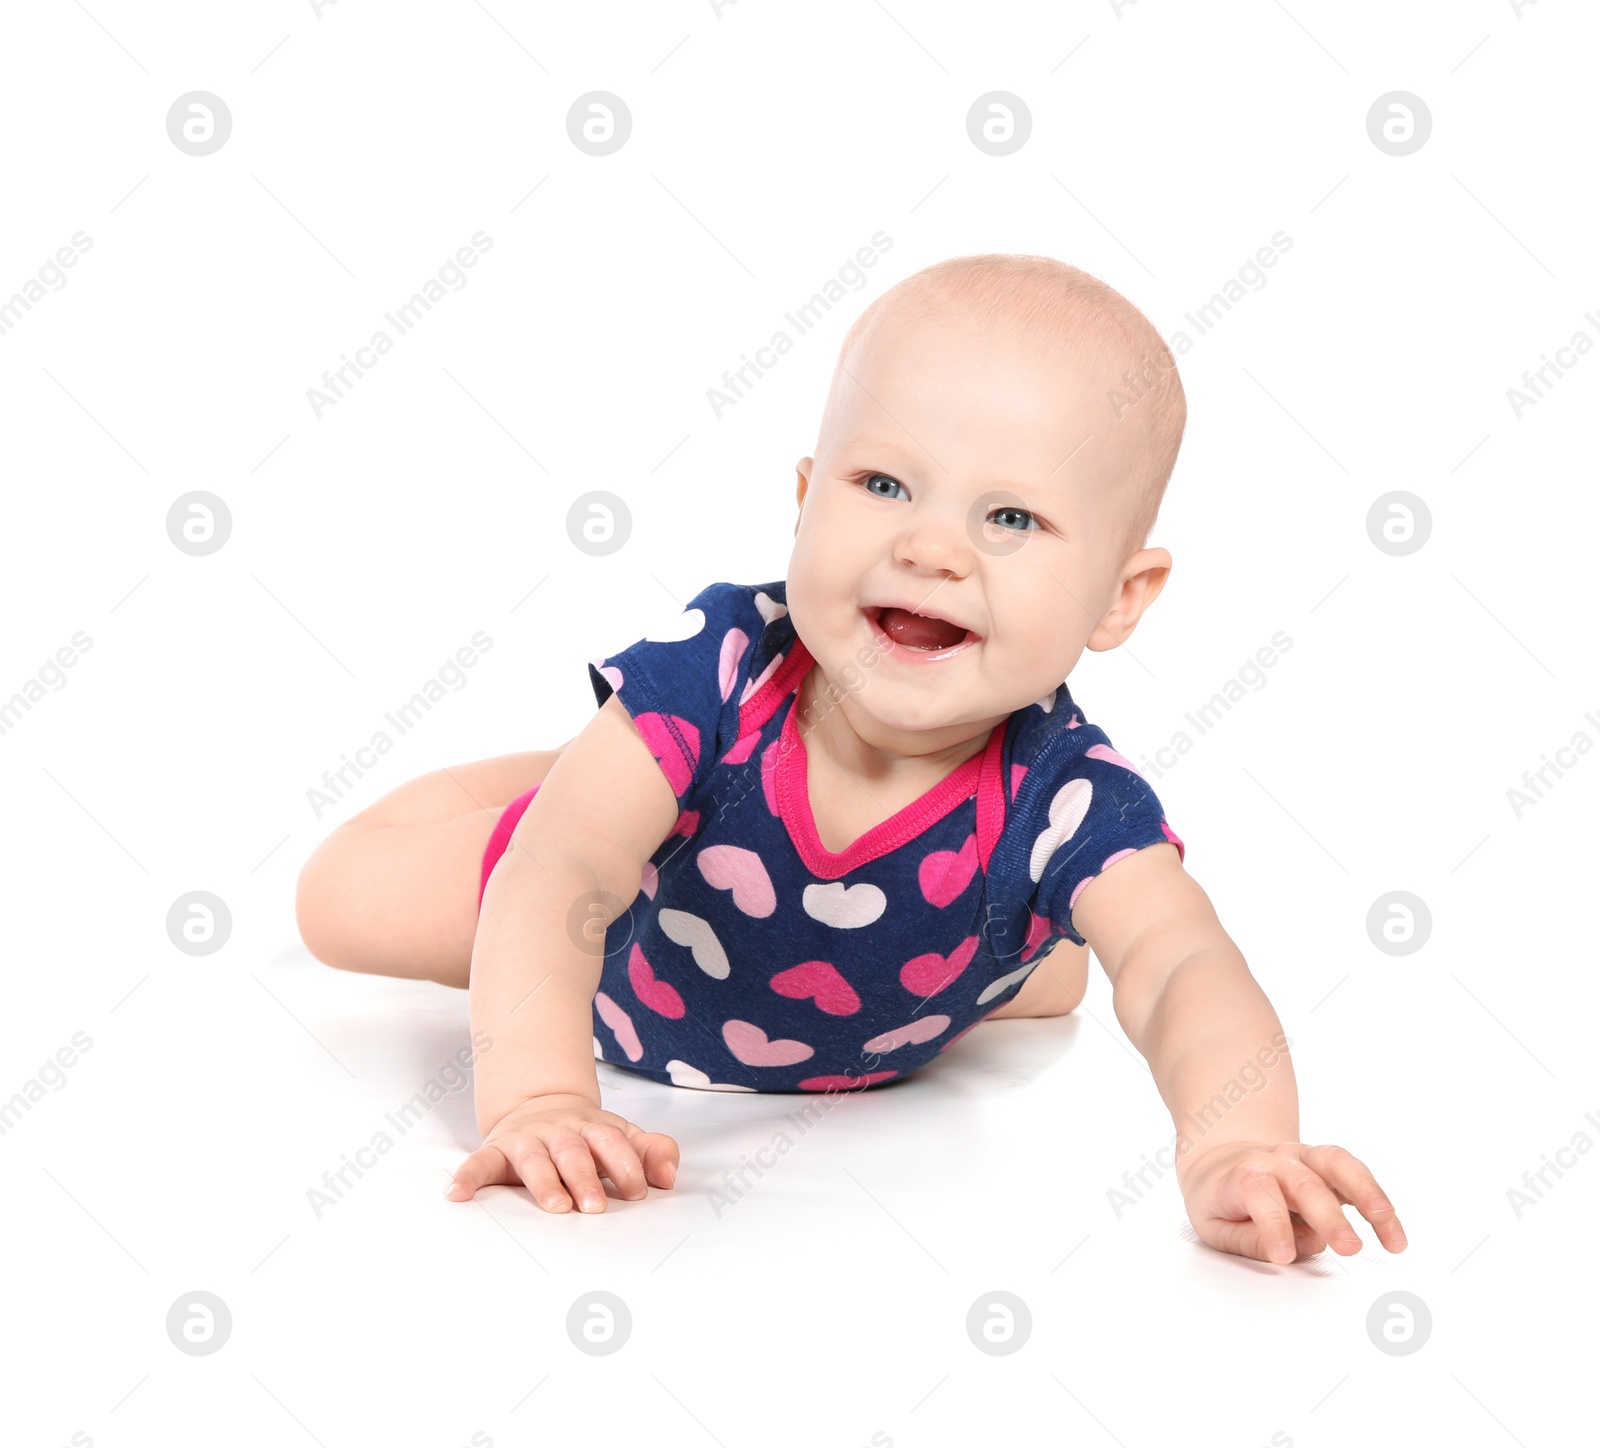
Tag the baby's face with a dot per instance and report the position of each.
(968, 475)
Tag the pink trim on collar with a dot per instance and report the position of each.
(991, 797)
(794, 804)
(760, 706)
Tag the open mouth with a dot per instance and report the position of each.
(923, 634)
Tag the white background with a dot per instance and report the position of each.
(768, 144)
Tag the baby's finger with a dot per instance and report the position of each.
(1257, 1219)
(1319, 1209)
(617, 1158)
(573, 1159)
(1262, 1196)
(486, 1166)
(1354, 1184)
(1307, 1240)
(659, 1153)
(537, 1173)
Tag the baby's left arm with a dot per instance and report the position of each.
(1186, 999)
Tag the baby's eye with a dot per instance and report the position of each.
(1006, 518)
(872, 479)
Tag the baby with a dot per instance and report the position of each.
(821, 827)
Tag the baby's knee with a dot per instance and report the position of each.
(316, 896)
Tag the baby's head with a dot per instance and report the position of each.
(995, 445)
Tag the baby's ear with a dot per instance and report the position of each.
(1148, 571)
(1144, 576)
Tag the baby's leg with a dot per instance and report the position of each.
(394, 889)
(1056, 986)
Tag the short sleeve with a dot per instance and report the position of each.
(1083, 808)
(682, 687)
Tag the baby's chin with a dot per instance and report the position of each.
(881, 706)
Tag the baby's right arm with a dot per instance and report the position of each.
(600, 814)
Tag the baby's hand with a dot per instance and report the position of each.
(553, 1145)
(1240, 1195)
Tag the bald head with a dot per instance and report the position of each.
(1046, 304)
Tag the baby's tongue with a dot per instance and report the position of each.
(917, 632)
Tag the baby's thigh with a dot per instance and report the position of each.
(394, 889)
(459, 789)
(396, 900)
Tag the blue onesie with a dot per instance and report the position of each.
(754, 959)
